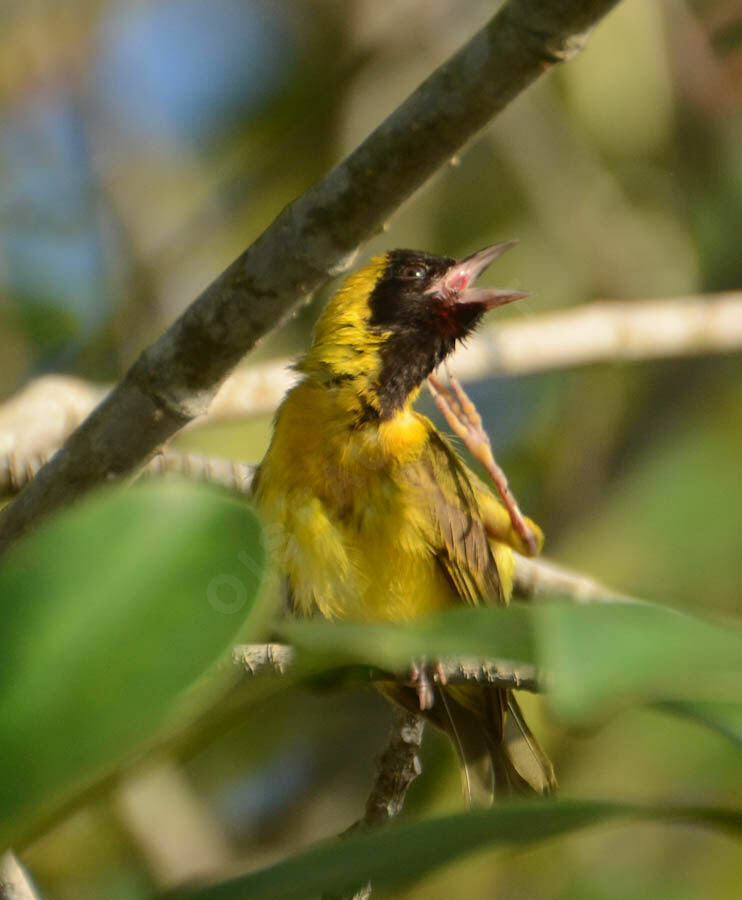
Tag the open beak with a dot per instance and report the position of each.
(454, 285)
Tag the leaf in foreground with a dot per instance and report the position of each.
(395, 856)
(636, 651)
(110, 611)
(593, 656)
(491, 632)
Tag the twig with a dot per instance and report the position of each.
(396, 768)
(176, 834)
(256, 658)
(541, 579)
(35, 422)
(535, 579)
(277, 659)
(317, 236)
(231, 474)
(14, 883)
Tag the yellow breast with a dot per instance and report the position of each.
(343, 527)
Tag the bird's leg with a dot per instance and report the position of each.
(420, 678)
(462, 416)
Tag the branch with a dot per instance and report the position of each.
(607, 331)
(317, 236)
(602, 331)
(14, 882)
(535, 579)
(396, 768)
(541, 579)
(277, 659)
(35, 422)
(399, 765)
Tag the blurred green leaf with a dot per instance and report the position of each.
(485, 632)
(395, 856)
(725, 718)
(110, 611)
(669, 528)
(595, 655)
(603, 653)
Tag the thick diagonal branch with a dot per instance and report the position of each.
(174, 380)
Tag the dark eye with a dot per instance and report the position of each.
(412, 273)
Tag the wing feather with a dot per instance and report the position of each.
(458, 532)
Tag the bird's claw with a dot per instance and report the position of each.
(423, 677)
(463, 418)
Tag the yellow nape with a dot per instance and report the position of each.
(343, 343)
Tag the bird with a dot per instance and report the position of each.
(372, 513)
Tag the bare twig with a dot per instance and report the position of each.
(35, 422)
(277, 659)
(499, 674)
(230, 474)
(396, 768)
(175, 379)
(541, 579)
(14, 883)
(535, 579)
(177, 835)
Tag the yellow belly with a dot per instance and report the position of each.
(350, 538)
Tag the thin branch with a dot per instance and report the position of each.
(541, 579)
(535, 579)
(277, 659)
(317, 236)
(230, 474)
(14, 882)
(396, 768)
(602, 331)
(35, 422)
(178, 836)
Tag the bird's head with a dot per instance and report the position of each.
(395, 320)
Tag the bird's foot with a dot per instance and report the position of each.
(423, 676)
(462, 416)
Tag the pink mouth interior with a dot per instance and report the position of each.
(459, 282)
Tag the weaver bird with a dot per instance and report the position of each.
(373, 514)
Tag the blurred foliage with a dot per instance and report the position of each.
(399, 854)
(95, 651)
(144, 144)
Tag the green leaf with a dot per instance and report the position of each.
(599, 654)
(724, 718)
(594, 656)
(110, 611)
(484, 632)
(392, 857)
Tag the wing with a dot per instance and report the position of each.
(458, 533)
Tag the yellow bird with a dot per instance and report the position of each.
(374, 516)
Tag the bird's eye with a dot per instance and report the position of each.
(412, 273)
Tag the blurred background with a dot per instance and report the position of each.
(144, 144)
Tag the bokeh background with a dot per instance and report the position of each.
(144, 144)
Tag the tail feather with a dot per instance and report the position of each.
(524, 752)
(499, 756)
